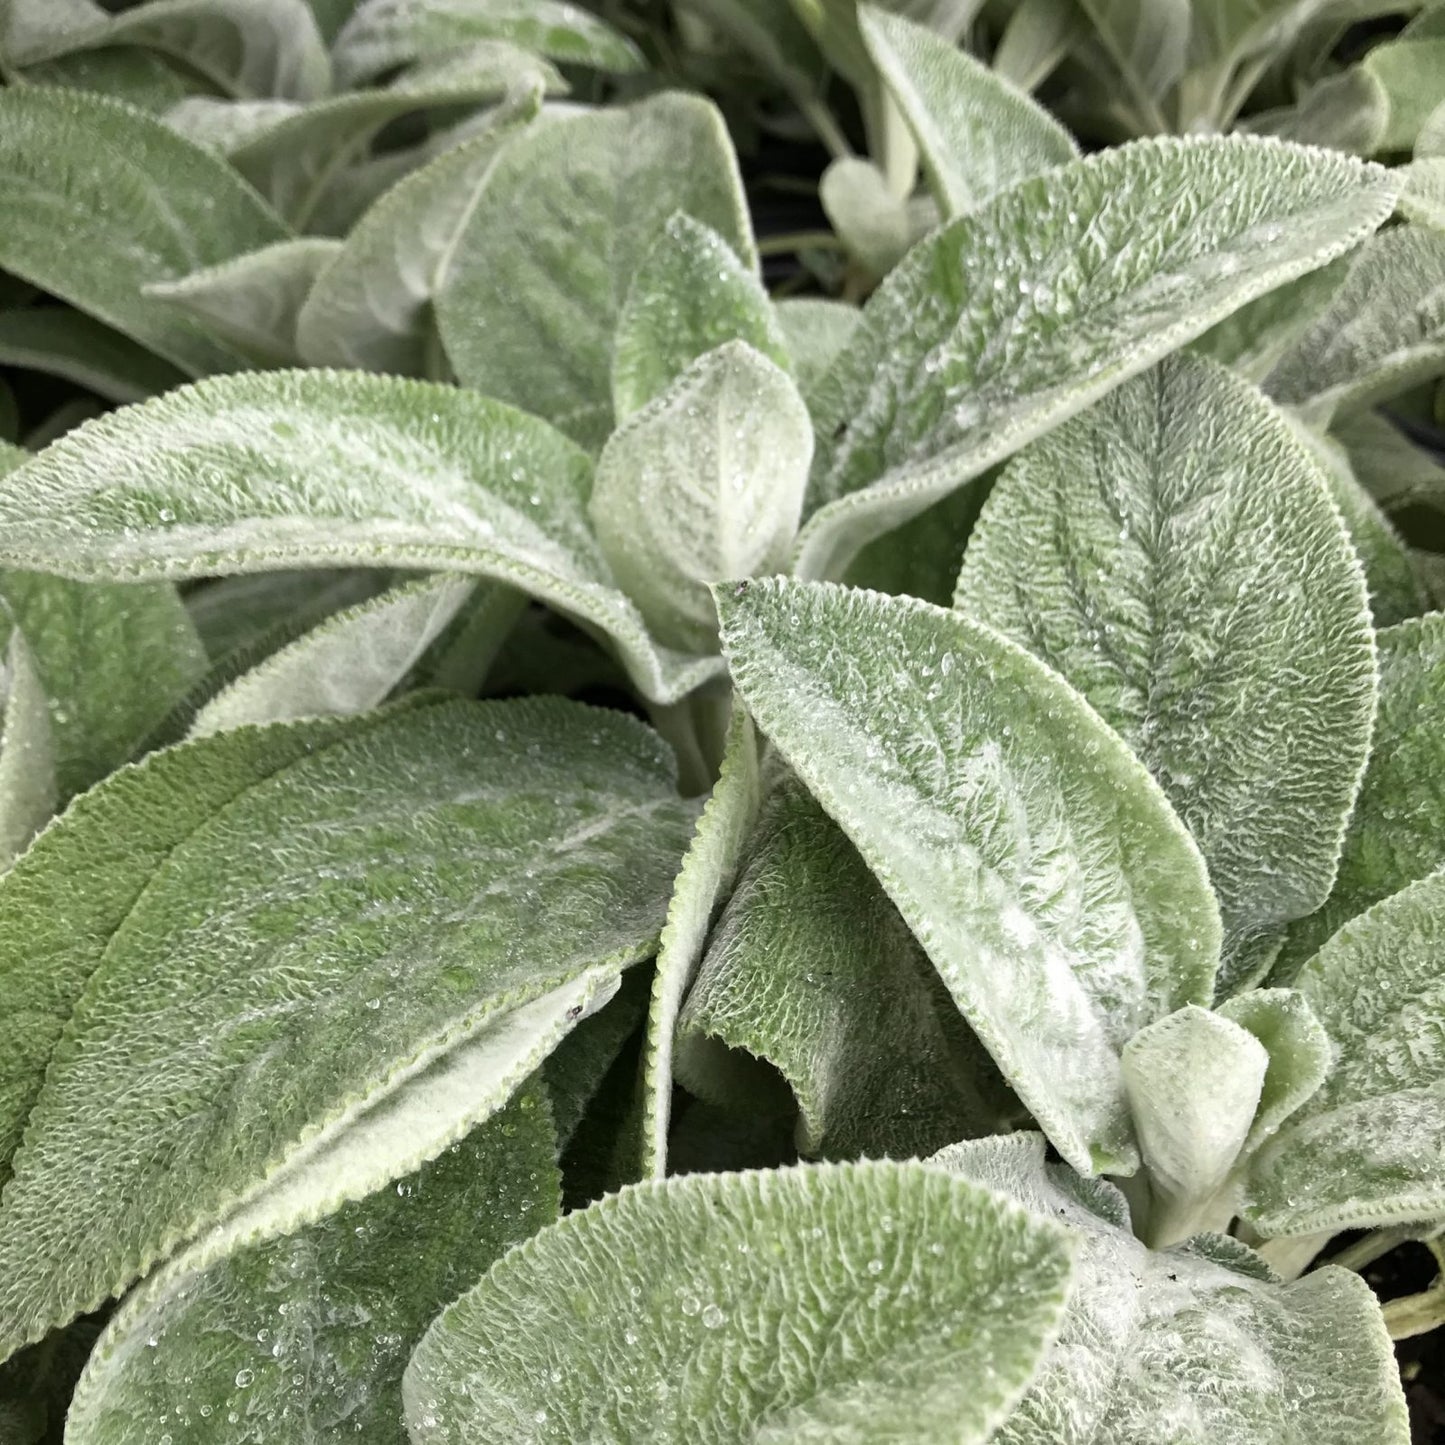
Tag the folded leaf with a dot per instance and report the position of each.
(383, 34)
(704, 483)
(1347, 112)
(1198, 1343)
(251, 303)
(1364, 1151)
(976, 133)
(690, 295)
(1396, 833)
(1012, 318)
(101, 200)
(347, 664)
(1174, 553)
(1383, 332)
(371, 307)
(358, 993)
(27, 752)
(1036, 861)
(307, 1336)
(879, 1302)
(811, 969)
(706, 876)
(530, 305)
(324, 469)
(241, 47)
(66, 343)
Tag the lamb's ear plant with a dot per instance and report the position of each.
(909, 1008)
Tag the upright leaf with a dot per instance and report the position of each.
(101, 200)
(690, 295)
(530, 305)
(811, 969)
(1011, 319)
(27, 753)
(371, 308)
(1408, 71)
(308, 1335)
(252, 302)
(1364, 1151)
(322, 469)
(704, 483)
(1383, 331)
(1395, 834)
(1199, 1339)
(847, 1302)
(976, 134)
(1174, 553)
(384, 34)
(359, 993)
(1036, 861)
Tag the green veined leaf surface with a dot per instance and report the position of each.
(1383, 332)
(138, 77)
(1364, 1151)
(1174, 553)
(359, 991)
(1012, 318)
(811, 969)
(1037, 862)
(1395, 834)
(1177, 1340)
(690, 295)
(977, 135)
(101, 200)
(531, 302)
(307, 1336)
(383, 34)
(276, 470)
(870, 1302)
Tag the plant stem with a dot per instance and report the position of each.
(1291, 1256)
(1365, 1251)
(798, 241)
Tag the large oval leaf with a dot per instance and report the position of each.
(100, 200)
(849, 1303)
(1040, 866)
(1364, 1151)
(1174, 553)
(1018, 315)
(306, 1337)
(267, 471)
(321, 988)
(531, 302)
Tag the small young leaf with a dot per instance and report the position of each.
(1241, 672)
(704, 483)
(690, 295)
(371, 307)
(359, 995)
(707, 875)
(1397, 830)
(811, 969)
(273, 470)
(976, 134)
(877, 1301)
(974, 345)
(384, 34)
(529, 308)
(240, 47)
(1034, 858)
(307, 1336)
(27, 753)
(101, 200)
(1364, 1151)
(251, 302)
(347, 664)
(1383, 332)
(1347, 112)
(1179, 1340)
(1147, 42)
(871, 221)
(815, 331)
(69, 344)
